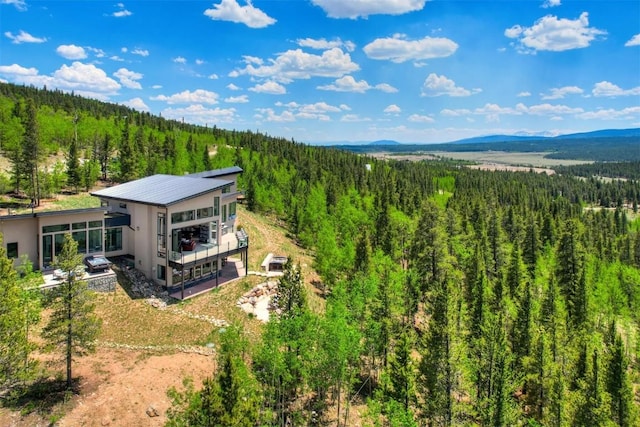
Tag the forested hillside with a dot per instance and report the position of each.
(453, 296)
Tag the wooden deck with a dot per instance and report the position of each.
(233, 270)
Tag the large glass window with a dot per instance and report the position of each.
(205, 212)
(81, 238)
(224, 213)
(182, 216)
(232, 210)
(54, 228)
(95, 240)
(113, 239)
(216, 206)
(162, 236)
(12, 250)
(79, 225)
(162, 272)
(93, 224)
(47, 249)
(226, 189)
(58, 240)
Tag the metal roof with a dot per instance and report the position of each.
(39, 214)
(217, 172)
(161, 190)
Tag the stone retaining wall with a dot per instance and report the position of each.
(103, 284)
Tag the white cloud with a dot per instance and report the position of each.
(318, 108)
(99, 53)
(237, 99)
(347, 84)
(324, 44)
(137, 104)
(398, 49)
(116, 58)
(269, 87)
(548, 109)
(128, 78)
(21, 5)
(199, 61)
(84, 79)
(385, 87)
(363, 8)
(550, 3)
(633, 41)
(124, 49)
(436, 85)
(630, 113)
(141, 52)
(17, 70)
(392, 109)
(199, 114)
(198, 96)
(180, 60)
(230, 10)
(231, 86)
(71, 51)
(122, 12)
(213, 76)
(553, 34)
(354, 118)
(296, 64)
(606, 88)
(455, 113)
(524, 94)
(156, 87)
(560, 92)
(269, 115)
(417, 118)
(24, 37)
(492, 112)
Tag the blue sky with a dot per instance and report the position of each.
(341, 70)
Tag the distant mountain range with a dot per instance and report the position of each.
(605, 133)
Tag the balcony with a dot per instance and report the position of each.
(229, 244)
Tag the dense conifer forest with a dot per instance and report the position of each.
(453, 296)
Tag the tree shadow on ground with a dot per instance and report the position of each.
(44, 397)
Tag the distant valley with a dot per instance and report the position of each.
(598, 146)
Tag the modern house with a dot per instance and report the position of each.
(178, 229)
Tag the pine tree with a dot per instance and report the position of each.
(73, 326)
(570, 274)
(532, 246)
(230, 398)
(402, 370)
(618, 384)
(73, 162)
(16, 365)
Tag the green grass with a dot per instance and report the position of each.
(79, 201)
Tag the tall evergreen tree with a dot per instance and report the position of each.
(74, 177)
(73, 325)
(618, 384)
(570, 274)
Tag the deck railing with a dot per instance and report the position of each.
(203, 251)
